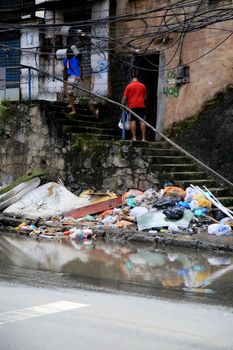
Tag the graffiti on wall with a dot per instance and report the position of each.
(171, 89)
(99, 77)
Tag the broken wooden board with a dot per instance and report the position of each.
(95, 208)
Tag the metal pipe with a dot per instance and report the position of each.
(123, 117)
(29, 84)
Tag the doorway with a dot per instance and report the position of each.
(147, 67)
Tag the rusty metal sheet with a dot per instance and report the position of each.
(95, 208)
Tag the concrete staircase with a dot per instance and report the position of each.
(170, 163)
(173, 165)
(85, 124)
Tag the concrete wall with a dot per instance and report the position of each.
(208, 74)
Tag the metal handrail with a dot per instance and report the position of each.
(199, 162)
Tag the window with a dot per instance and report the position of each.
(10, 57)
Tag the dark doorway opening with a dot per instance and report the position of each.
(147, 69)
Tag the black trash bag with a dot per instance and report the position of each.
(164, 202)
(174, 213)
(218, 215)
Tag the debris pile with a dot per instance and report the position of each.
(51, 211)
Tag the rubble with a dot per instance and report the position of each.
(171, 216)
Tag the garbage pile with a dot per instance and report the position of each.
(51, 211)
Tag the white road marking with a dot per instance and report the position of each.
(38, 311)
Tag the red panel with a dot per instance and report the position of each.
(95, 208)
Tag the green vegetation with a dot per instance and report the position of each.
(83, 102)
(85, 141)
(34, 173)
(4, 117)
(4, 113)
(12, 114)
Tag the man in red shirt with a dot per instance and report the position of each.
(134, 96)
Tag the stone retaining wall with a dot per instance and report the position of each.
(28, 141)
(115, 167)
(32, 139)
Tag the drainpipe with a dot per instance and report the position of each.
(53, 40)
(29, 84)
(160, 96)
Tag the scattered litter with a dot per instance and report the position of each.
(174, 213)
(174, 191)
(227, 221)
(164, 202)
(173, 228)
(219, 230)
(158, 219)
(219, 261)
(51, 211)
(45, 201)
(137, 211)
(109, 220)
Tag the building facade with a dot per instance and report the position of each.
(183, 53)
(185, 49)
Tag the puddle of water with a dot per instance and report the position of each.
(174, 273)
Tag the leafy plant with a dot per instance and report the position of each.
(83, 102)
(4, 114)
(84, 141)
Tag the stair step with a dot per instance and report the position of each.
(185, 175)
(88, 130)
(228, 207)
(196, 182)
(166, 152)
(82, 117)
(173, 167)
(219, 191)
(226, 201)
(77, 122)
(150, 145)
(99, 137)
(167, 159)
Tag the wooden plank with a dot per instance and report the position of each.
(95, 208)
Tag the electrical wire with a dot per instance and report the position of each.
(176, 18)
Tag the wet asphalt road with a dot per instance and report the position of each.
(56, 296)
(30, 320)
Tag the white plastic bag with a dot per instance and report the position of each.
(194, 204)
(108, 220)
(127, 121)
(219, 230)
(190, 193)
(137, 211)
